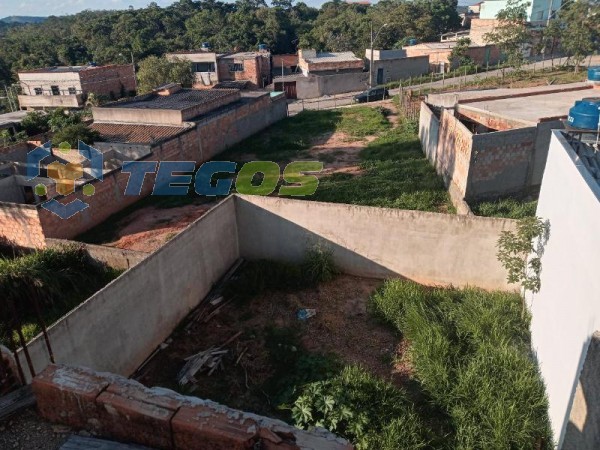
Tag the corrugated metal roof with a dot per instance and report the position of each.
(135, 134)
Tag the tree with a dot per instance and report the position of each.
(35, 122)
(520, 252)
(581, 30)
(75, 133)
(459, 55)
(155, 72)
(511, 34)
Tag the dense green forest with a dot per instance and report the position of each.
(111, 36)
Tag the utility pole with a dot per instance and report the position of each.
(134, 73)
(373, 38)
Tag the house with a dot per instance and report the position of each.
(169, 124)
(69, 86)
(492, 143)
(439, 54)
(538, 11)
(212, 69)
(394, 65)
(318, 74)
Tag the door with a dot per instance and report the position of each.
(290, 89)
(380, 76)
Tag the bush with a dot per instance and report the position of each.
(75, 133)
(318, 265)
(470, 350)
(362, 408)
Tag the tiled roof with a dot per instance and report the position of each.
(183, 99)
(238, 84)
(333, 57)
(135, 134)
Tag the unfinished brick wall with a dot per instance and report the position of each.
(490, 120)
(251, 72)
(121, 409)
(198, 144)
(112, 81)
(453, 155)
(20, 226)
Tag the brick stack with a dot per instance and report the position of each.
(117, 408)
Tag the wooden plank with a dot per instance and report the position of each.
(16, 401)
(76, 442)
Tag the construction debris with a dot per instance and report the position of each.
(205, 361)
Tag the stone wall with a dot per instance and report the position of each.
(124, 410)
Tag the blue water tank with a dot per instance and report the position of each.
(585, 114)
(412, 41)
(262, 47)
(205, 45)
(594, 74)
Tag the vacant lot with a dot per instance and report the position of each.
(389, 366)
(370, 155)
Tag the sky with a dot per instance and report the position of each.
(62, 7)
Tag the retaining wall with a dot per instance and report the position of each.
(114, 257)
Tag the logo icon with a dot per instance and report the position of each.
(85, 163)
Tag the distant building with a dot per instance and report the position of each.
(439, 54)
(394, 65)
(537, 10)
(212, 69)
(69, 86)
(311, 74)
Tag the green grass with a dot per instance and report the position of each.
(510, 208)
(290, 137)
(59, 279)
(470, 350)
(396, 175)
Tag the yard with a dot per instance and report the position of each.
(371, 157)
(507, 207)
(389, 365)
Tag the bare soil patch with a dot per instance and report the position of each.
(149, 228)
(342, 327)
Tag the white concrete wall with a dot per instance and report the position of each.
(566, 311)
(429, 248)
(117, 328)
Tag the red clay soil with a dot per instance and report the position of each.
(342, 326)
(149, 228)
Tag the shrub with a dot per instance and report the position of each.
(363, 408)
(318, 265)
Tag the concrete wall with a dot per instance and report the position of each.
(398, 69)
(429, 248)
(566, 311)
(117, 328)
(341, 83)
(114, 257)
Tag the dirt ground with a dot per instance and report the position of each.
(149, 228)
(28, 431)
(342, 327)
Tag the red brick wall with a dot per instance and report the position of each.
(198, 144)
(20, 225)
(253, 70)
(108, 80)
(124, 410)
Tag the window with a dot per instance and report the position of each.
(55, 90)
(203, 67)
(236, 67)
(38, 91)
(72, 91)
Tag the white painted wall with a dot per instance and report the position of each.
(566, 311)
(536, 12)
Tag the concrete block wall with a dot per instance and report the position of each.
(118, 327)
(124, 410)
(430, 248)
(114, 257)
